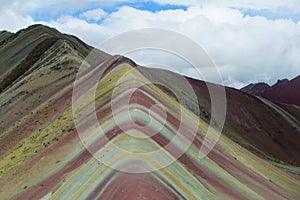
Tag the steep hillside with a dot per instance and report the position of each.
(256, 124)
(280, 82)
(53, 163)
(20, 51)
(4, 35)
(38, 65)
(52, 129)
(286, 92)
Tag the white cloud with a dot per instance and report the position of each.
(13, 22)
(255, 48)
(90, 33)
(273, 5)
(95, 14)
(246, 49)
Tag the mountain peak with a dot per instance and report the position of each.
(284, 91)
(55, 120)
(21, 50)
(255, 88)
(280, 82)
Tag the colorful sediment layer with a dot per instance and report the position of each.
(54, 159)
(268, 129)
(118, 134)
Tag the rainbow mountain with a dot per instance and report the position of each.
(111, 132)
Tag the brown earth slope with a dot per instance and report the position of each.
(287, 92)
(255, 123)
(41, 154)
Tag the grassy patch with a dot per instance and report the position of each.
(19, 146)
(288, 163)
(26, 150)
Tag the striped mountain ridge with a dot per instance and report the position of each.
(49, 136)
(268, 129)
(20, 51)
(227, 173)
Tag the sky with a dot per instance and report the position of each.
(248, 40)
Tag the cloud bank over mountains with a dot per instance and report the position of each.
(249, 41)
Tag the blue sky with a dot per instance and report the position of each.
(272, 15)
(249, 40)
(43, 15)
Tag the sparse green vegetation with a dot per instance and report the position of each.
(72, 129)
(230, 167)
(45, 144)
(290, 163)
(26, 150)
(19, 146)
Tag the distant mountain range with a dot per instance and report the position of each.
(255, 88)
(42, 156)
(284, 91)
